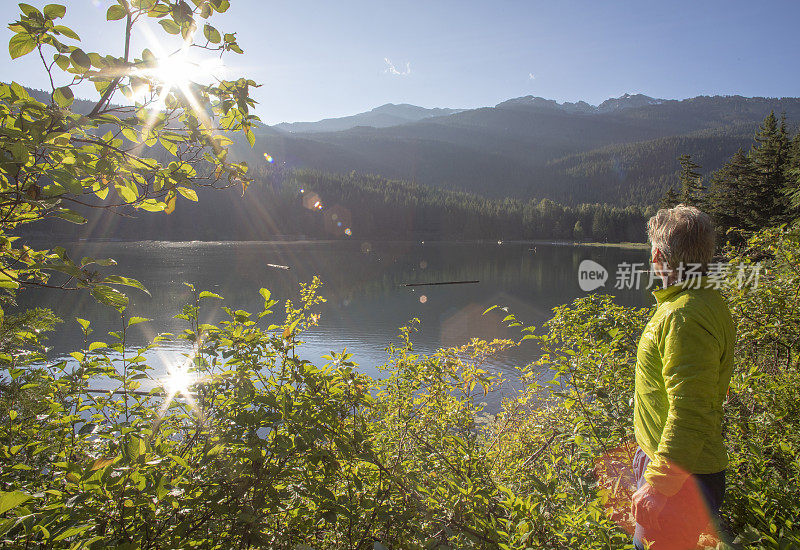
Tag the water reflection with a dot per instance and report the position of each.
(363, 283)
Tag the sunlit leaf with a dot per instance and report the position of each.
(63, 96)
(119, 280)
(116, 12)
(188, 193)
(170, 26)
(136, 320)
(12, 499)
(54, 11)
(110, 296)
(212, 34)
(66, 31)
(21, 44)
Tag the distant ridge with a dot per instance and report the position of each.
(385, 116)
(625, 101)
(623, 151)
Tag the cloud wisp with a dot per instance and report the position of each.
(391, 69)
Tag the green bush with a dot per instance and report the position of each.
(268, 450)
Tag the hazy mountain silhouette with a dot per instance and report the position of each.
(623, 151)
(379, 117)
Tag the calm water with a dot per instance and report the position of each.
(363, 284)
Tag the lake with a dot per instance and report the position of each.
(363, 281)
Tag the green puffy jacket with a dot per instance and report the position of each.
(683, 369)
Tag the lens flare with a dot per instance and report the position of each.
(270, 160)
(348, 232)
(179, 380)
(423, 299)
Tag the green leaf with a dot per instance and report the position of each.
(188, 193)
(63, 96)
(11, 500)
(66, 31)
(136, 320)
(133, 448)
(21, 44)
(66, 180)
(119, 280)
(82, 322)
(80, 58)
(72, 531)
(115, 12)
(6, 281)
(207, 294)
(54, 11)
(130, 134)
(170, 26)
(212, 34)
(70, 216)
(29, 10)
(110, 296)
(19, 150)
(62, 61)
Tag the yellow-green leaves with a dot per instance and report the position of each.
(54, 11)
(80, 59)
(63, 96)
(115, 12)
(110, 297)
(170, 26)
(21, 44)
(12, 499)
(211, 34)
(188, 193)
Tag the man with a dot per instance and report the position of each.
(683, 369)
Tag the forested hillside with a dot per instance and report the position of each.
(310, 204)
(623, 151)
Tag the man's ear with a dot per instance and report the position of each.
(658, 257)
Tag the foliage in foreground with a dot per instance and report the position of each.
(60, 157)
(269, 450)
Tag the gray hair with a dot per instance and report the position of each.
(684, 234)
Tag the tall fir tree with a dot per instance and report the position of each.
(669, 199)
(792, 180)
(691, 182)
(731, 198)
(769, 156)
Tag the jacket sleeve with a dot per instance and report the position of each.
(691, 359)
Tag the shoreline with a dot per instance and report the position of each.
(301, 240)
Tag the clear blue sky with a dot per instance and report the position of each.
(327, 59)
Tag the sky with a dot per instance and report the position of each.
(320, 59)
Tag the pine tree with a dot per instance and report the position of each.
(792, 179)
(669, 199)
(577, 230)
(691, 182)
(769, 157)
(731, 198)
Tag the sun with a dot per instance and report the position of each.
(179, 380)
(178, 70)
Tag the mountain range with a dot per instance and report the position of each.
(379, 117)
(623, 151)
